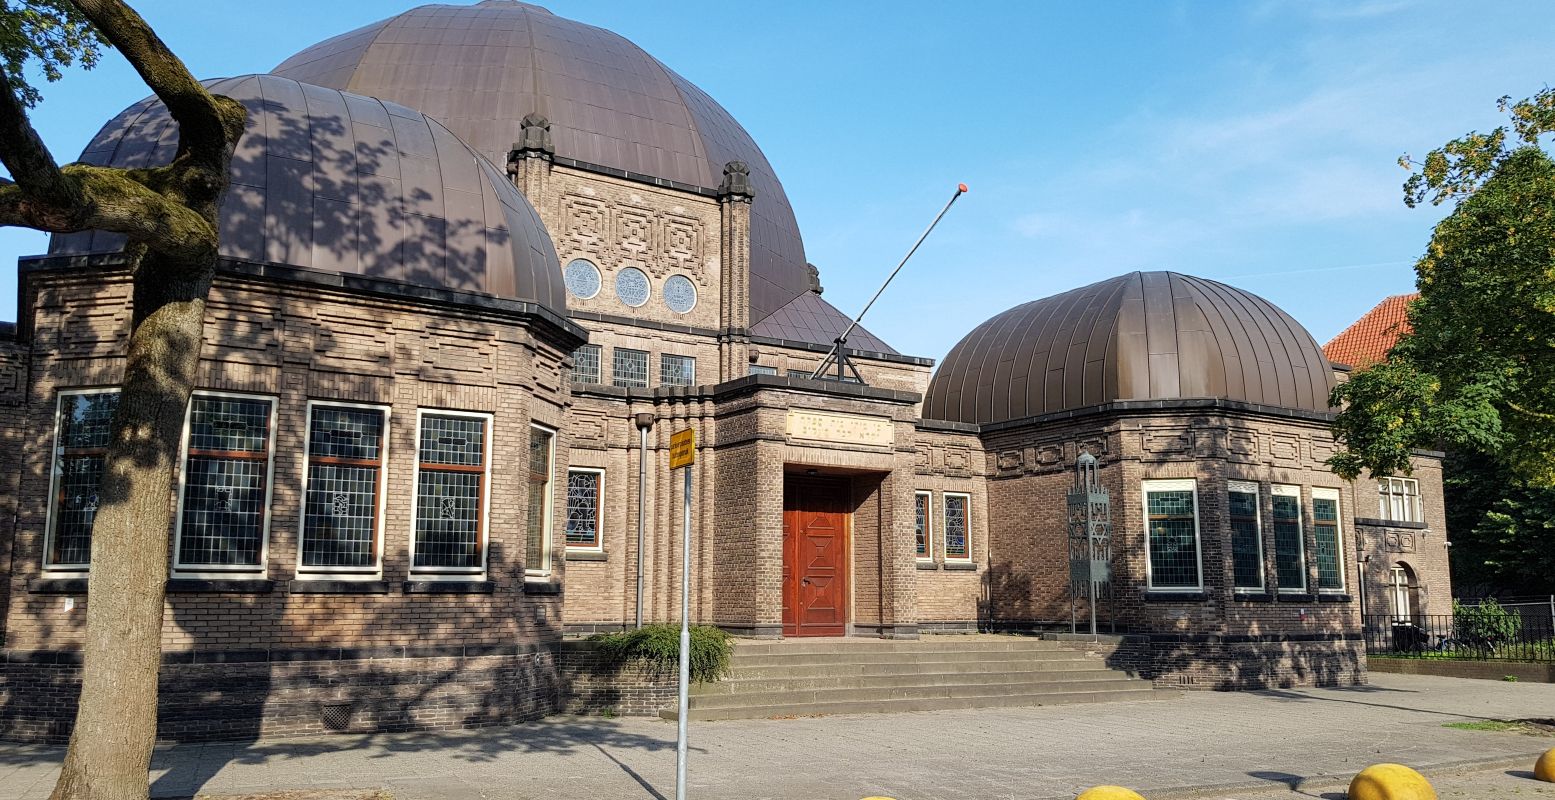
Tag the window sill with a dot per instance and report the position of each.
(1373, 522)
(1252, 596)
(1296, 597)
(1170, 596)
(968, 566)
(542, 588)
(448, 587)
(220, 586)
(1333, 597)
(328, 586)
(923, 564)
(57, 586)
(587, 555)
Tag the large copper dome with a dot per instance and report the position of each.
(479, 69)
(332, 181)
(1140, 336)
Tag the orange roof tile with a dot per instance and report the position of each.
(1368, 340)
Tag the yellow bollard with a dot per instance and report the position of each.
(1390, 782)
(1544, 768)
(1109, 793)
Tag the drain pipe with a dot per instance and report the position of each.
(644, 422)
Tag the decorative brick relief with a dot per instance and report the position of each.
(348, 345)
(635, 239)
(587, 224)
(1242, 445)
(1157, 444)
(1285, 449)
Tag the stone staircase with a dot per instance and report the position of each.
(802, 677)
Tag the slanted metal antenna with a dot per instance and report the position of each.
(837, 357)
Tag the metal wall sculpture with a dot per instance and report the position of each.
(1090, 539)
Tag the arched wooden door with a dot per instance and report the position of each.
(815, 556)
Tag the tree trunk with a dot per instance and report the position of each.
(115, 729)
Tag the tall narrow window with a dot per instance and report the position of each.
(1398, 500)
(451, 486)
(585, 488)
(1328, 540)
(1246, 535)
(1290, 552)
(226, 483)
(923, 508)
(677, 370)
(958, 524)
(629, 368)
(343, 492)
(537, 543)
(78, 469)
(1172, 530)
(585, 364)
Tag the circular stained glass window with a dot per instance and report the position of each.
(680, 294)
(582, 278)
(632, 286)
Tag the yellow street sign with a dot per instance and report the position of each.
(683, 448)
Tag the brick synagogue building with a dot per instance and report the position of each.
(479, 262)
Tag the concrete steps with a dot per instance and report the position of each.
(853, 676)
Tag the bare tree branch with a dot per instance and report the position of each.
(112, 202)
(207, 124)
(27, 157)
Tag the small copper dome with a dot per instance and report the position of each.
(332, 181)
(1140, 336)
(480, 69)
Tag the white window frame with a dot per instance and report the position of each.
(1411, 496)
(928, 528)
(1191, 486)
(50, 519)
(1285, 490)
(548, 527)
(483, 533)
(347, 573)
(944, 549)
(181, 570)
(1252, 488)
(1328, 493)
(599, 517)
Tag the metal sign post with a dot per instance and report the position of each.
(683, 453)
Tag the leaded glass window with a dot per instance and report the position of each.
(677, 370)
(958, 514)
(1290, 557)
(757, 369)
(629, 368)
(584, 490)
(340, 506)
(585, 364)
(78, 471)
(225, 483)
(1398, 500)
(1246, 535)
(450, 493)
(923, 503)
(537, 543)
(1327, 540)
(1172, 528)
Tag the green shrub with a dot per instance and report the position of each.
(1486, 625)
(659, 647)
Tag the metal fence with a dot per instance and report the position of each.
(1464, 636)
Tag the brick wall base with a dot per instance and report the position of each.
(594, 685)
(1228, 664)
(273, 699)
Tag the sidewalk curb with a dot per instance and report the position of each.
(1318, 783)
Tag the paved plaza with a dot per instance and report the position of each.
(1206, 745)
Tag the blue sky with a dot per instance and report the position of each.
(1252, 143)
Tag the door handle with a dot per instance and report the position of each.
(805, 582)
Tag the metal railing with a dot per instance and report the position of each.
(1461, 636)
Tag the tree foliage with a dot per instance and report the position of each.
(1503, 530)
(1477, 372)
(47, 35)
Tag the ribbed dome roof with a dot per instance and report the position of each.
(1140, 336)
(479, 69)
(332, 181)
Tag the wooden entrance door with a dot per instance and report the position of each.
(815, 556)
